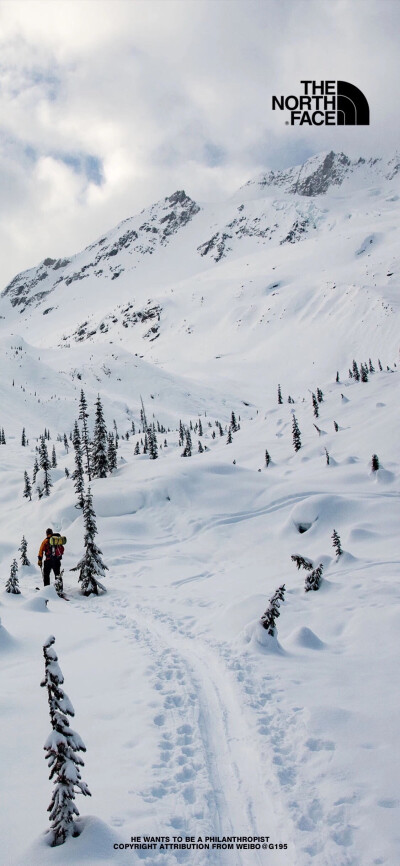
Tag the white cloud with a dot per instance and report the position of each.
(107, 106)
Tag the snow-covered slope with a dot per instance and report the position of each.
(197, 288)
(196, 721)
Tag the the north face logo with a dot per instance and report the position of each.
(325, 103)
(352, 107)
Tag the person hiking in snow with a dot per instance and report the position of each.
(53, 555)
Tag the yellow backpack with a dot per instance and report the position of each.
(57, 540)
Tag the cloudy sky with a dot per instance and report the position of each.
(109, 105)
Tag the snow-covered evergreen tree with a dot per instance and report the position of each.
(77, 474)
(234, 425)
(200, 448)
(62, 747)
(336, 426)
(23, 548)
(315, 405)
(200, 430)
(152, 443)
(229, 436)
(44, 463)
(320, 396)
(35, 470)
(66, 443)
(364, 372)
(27, 487)
(91, 566)
(187, 451)
(356, 372)
(279, 394)
(296, 434)
(83, 416)
(12, 584)
(54, 457)
(271, 614)
(375, 463)
(23, 437)
(337, 543)
(380, 365)
(371, 367)
(267, 458)
(137, 448)
(313, 580)
(100, 443)
(111, 453)
(142, 416)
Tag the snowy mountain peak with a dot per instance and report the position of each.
(255, 248)
(318, 174)
(313, 177)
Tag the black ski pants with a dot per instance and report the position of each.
(48, 566)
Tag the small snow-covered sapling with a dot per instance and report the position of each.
(375, 463)
(313, 580)
(337, 543)
(12, 584)
(271, 614)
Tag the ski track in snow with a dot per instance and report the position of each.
(228, 749)
(270, 728)
(209, 763)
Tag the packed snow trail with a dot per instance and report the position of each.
(203, 728)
